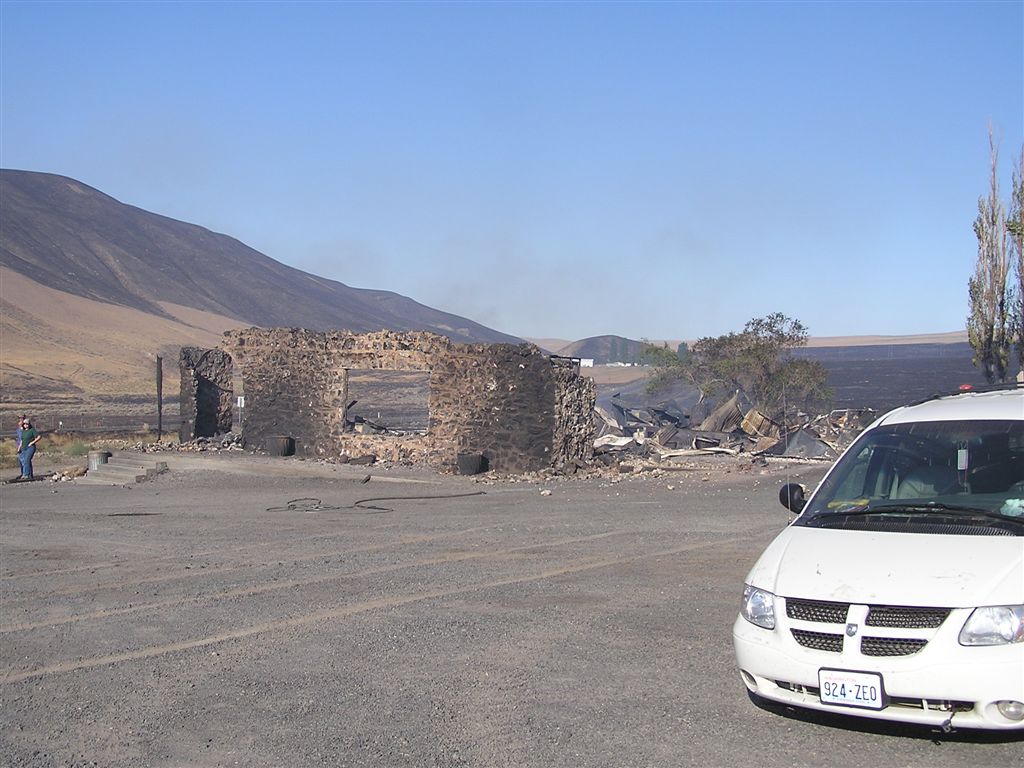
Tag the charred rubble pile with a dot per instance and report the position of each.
(679, 423)
(229, 441)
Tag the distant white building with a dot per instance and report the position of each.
(586, 362)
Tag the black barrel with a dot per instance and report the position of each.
(471, 463)
(280, 445)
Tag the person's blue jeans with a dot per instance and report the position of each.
(25, 457)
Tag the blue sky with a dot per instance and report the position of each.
(654, 170)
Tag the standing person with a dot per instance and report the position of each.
(17, 434)
(29, 438)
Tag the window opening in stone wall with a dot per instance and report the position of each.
(382, 401)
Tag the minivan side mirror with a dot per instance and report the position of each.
(793, 497)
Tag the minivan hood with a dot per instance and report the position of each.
(870, 567)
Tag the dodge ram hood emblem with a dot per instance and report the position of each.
(851, 630)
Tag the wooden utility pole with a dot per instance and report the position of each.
(159, 397)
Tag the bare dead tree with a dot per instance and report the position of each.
(988, 324)
(1015, 226)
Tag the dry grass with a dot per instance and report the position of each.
(74, 445)
(65, 444)
(615, 374)
(67, 349)
(8, 457)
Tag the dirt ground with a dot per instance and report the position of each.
(248, 611)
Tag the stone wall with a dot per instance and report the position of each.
(574, 415)
(206, 392)
(511, 403)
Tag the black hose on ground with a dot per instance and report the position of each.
(309, 504)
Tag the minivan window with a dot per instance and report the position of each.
(970, 471)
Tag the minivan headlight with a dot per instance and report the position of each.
(994, 625)
(758, 607)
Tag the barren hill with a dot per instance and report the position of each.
(605, 349)
(91, 290)
(66, 235)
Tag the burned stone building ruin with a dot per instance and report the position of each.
(415, 397)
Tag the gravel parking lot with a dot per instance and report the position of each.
(201, 619)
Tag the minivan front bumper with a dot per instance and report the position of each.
(942, 685)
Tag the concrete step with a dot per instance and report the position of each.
(110, 477)
(130, 466)
(124, 469)
(124, 458)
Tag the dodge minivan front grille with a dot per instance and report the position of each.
(817, 610)
(819, 641)
(845, 617)
(905, 618)
(891, 646)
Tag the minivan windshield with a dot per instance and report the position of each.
(967, 472)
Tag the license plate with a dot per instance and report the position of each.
(851, 689)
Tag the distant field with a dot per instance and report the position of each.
(883, 376)
(885, 384)
(614, 374)
(880, 376)
(951, 337)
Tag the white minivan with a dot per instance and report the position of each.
(897, 593)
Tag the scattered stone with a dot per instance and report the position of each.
(66, 475)
(364, 460)
(226, 442)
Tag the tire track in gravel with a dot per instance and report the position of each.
(304, 620)
(115, 564)
(111, 564)
(252, 591)
(198, 571)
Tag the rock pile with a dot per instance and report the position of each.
(226, 442)
(229, 441)
(66, 475)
